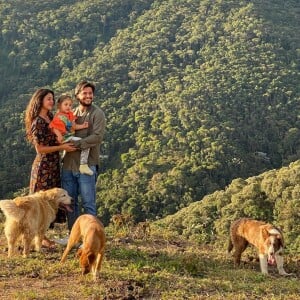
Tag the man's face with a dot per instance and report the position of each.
(86, 96)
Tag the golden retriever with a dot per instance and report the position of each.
(29, 217)
(91, 231)
(265, 237)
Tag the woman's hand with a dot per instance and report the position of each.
(68, 147)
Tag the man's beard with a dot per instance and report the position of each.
(84, 104)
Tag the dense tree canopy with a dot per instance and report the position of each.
(196, 93)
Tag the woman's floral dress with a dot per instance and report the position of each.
(45, 171)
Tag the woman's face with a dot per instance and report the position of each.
(48, 102)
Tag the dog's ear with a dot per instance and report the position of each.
(279, 237)
(265, 232)
(50, 194)
(79, 252)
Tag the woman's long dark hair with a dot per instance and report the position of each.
(34, 108)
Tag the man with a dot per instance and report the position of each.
(72, 180)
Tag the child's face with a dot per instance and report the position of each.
(66, 106)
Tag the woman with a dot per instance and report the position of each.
(45, 172)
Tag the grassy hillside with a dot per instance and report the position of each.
(183, 256)
(202, 105)
(161, 266)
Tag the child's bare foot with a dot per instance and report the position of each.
(84, 169)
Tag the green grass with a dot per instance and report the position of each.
(162, 266)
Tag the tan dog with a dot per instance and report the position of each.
(265, 237)
(29, 217)
(91, 231)
(121, 220)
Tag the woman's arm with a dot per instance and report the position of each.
(41, 149)
(58, 134)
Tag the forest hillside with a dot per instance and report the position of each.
(271, 197)
(196, 93)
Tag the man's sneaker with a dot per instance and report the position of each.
(63, 241)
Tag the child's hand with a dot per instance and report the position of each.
(85, 125)
(81, 126)
(59, 139)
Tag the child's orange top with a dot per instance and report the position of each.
(63, 122)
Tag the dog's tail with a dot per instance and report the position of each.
(10, 209)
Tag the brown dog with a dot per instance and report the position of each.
(265, 237)
(30, 216)
(91, 231)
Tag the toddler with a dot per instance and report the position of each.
(64, 126)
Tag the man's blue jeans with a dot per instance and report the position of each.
(84, 185)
